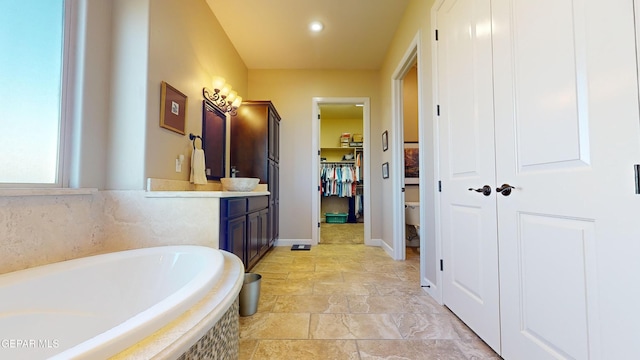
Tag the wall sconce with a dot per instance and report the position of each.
(222, 96)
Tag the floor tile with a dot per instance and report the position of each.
(426, 326)
(353, 326)
(409, 349)
(344, 288)
(306, 349)
(274, 326)
(391, 304)
(311, 304)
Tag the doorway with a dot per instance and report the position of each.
(336, 148)
(341, 170)
(426, 183)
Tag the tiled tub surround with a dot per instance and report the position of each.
(38, 230)
(209, 326)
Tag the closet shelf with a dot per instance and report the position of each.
(339, 162)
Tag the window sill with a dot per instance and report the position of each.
(46, 192)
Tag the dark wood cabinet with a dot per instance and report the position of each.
(244, 226)
(255, 152)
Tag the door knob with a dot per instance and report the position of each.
(485, 190)
(505, 189)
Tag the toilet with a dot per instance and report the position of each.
(412, 221)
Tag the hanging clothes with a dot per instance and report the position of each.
(338, 180)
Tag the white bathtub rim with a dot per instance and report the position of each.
(87, 349)
(177, 337)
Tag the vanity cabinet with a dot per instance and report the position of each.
(244, 225)
(255, 152)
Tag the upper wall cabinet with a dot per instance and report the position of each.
(255, 139)
(255, 152)
(214, 127)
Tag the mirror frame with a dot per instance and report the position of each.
(214, 136)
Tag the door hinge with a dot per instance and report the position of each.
(436, 34)
(441, 265)
(318, 187)
(318, 116)
(637, 170)
(318, 152)
(318, 224)
(438, 110)
(402, 189)
(439, 186)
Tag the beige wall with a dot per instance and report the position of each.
(292, 92)
(417, 18)
(91, 87)
(187, 47)
(155, 41)
(410, 105)
(410, 118)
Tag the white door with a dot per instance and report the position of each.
(566, 116)
(466, 133)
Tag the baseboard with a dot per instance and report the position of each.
(374, 242)
(388, 249)
(290, 242)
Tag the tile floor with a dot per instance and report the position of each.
(346, 301)
(342, 233)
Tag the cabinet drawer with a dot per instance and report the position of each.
(258, 203)
(234, 207)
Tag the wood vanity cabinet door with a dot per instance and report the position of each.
(263, 231)
(253, 238)
(236, 235)
(274, 137)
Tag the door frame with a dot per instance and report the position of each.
(315, 174)
(429, 214)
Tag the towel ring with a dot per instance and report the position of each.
(193, 139)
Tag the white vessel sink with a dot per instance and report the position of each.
(239, 184)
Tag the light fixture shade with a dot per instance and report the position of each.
(237, 102)
(218, 82)
(232, 96)
(225, 90)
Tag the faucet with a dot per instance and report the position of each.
(234, 172)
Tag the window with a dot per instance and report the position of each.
(32, 34)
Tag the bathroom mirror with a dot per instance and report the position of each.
(214, 124)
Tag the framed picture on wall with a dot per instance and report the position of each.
(385, 140)
(411, 163)
(385, 170)
(173, 109)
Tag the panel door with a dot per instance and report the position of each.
(236, 238)
(566, 139)
(253, 238)
(466, 134)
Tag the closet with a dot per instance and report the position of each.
(341, 164)
(538, 132)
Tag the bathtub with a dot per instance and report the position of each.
(100, 306)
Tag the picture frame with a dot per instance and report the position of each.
(173, 109)
(385, 140)
(385, 170)
(411, 163)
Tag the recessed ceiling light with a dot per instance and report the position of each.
(316, 26)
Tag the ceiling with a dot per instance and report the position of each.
(341, 111)
(274, 34)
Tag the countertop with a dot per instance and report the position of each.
(203, 194)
